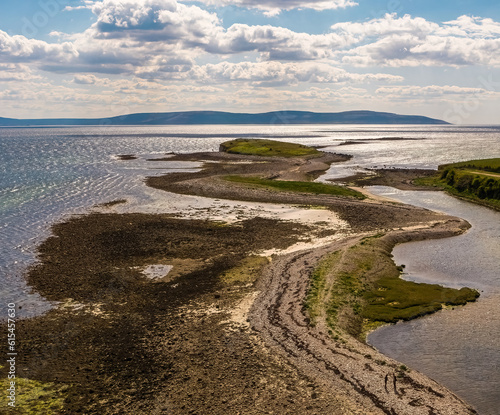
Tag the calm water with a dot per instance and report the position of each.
(48, 174)
(459, 348)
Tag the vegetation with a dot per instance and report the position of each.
(296, 186)
(367, 290)
(33, 397)
(315, 300)
(491, 165)
(268, 148)
(476, 180)
(246, 272)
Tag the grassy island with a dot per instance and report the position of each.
(267, 148)
(288, 182)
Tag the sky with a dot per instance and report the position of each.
(99, 58)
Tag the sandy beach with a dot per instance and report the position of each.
(221, 327)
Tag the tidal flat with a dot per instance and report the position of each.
(228, 331)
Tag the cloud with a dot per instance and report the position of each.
(166, 22)
(432, 91)
(269, 7)
(163, 39)
(473, 26)
(16, 72)
(154, 21)
(274, 7)
(169, 40)
(408, 41)
(278, 73)
(21, 49)
(82, 79)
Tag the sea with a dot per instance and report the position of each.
(50, 174)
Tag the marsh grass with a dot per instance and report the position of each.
(368, 292)
(396, 299)
(491, 165)
(297, 186)
(315, 299)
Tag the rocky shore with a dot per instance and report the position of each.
(224, 331)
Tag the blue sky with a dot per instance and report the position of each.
(93, 58)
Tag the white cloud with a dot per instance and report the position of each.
(432, 91)
(150, 42)
(192, 29)
(16, 72)
(473, 26)
(277, 43)
(278, 73)
(21, 49)
(82, 79)
(269, 7)
(408, 41)
(386, 26)
(274, 7)
(163, 39)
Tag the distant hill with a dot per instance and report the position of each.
(218, 117)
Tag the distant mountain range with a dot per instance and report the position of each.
(218, 117)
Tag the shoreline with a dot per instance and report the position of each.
(123, 342)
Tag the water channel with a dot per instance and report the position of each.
(458, 347)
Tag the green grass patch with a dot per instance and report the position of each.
(367, 290)
(297, 186)
(394, 299)
(33, 397)
(267, 148)
(465, 181)
(491, 165)
(314, 303)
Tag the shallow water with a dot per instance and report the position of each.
(459, 348)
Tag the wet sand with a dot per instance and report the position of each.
(224, 332)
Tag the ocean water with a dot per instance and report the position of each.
(49, 174)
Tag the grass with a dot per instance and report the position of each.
(467, 180)
(33, 397)
(394, 299)
(491, 165)
(246, 272)
(267, 148)
(297, 186)
(315, 298)
(367, 290)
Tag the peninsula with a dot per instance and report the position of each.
(253, 315)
